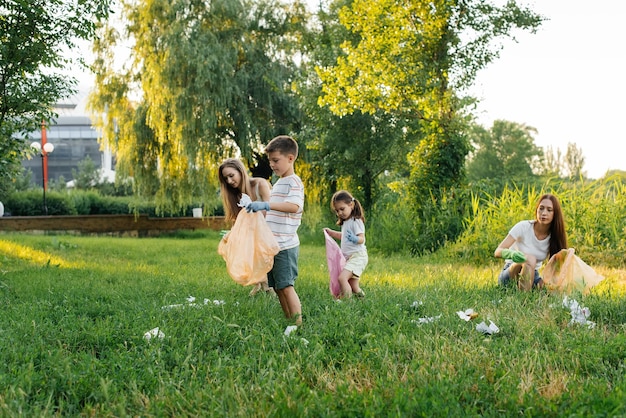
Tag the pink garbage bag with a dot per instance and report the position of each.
(249, 249)
(336, 262)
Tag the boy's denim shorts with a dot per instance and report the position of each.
(505, 275)
(285, 270)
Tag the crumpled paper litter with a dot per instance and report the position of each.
(579, 313)
(467, 314)
(154, 333)
(487, 329)
(426, 320)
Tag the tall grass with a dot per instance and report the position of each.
(75, 310)
(595, 216)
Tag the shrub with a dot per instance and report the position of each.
(30, 203)
(390, 224)
(85, 202)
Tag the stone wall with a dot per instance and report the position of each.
(130, 225)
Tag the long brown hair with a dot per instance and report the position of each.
(347, 198)
(230, 195)
(558, 235)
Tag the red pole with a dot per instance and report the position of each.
(44, 155)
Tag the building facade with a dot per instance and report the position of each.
(74, 139)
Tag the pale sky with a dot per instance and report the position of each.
(568, 81)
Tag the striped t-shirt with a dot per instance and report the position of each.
(285, 225)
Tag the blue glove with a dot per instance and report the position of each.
(351, 237)
(257, 206)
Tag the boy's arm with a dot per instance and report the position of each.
(285, 207)
(277, 206)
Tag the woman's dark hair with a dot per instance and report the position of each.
(558, 235)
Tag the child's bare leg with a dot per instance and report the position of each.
(291, 306)
(283, 302)
(344, 282)
(354, 285)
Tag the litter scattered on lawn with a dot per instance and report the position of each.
(176, 306)
(426, 320)
(191, 302)
(416, 304)
(290, 329)
(579, 313)
(487, 329)
(154, 333)
(467, 314)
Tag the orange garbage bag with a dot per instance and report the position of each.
(566, 273)
(336, 262)
(249, 249)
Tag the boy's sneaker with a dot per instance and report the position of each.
(360, 294)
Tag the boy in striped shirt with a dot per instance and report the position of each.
(283, 215)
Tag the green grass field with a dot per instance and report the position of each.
(75, 311)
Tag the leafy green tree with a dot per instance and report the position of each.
(552, 163)
(574, 161)
(412, 58)
(507, 151)
(58, 185)
(355, 151)
(208, 80)
(35, 36)
(570, 165)
(87, 176)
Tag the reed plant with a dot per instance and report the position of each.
(595, 216)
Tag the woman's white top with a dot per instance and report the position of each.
(527, 242)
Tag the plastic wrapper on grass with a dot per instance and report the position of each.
(579, 313)
(467, 315)
(487, 329)
(154, 333)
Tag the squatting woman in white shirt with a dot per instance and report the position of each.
(530, 242)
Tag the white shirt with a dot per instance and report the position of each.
(526, 241)
(285, 225)
(357, 227)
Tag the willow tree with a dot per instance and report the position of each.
(415, 58)
(205, 81)
(36, 38)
